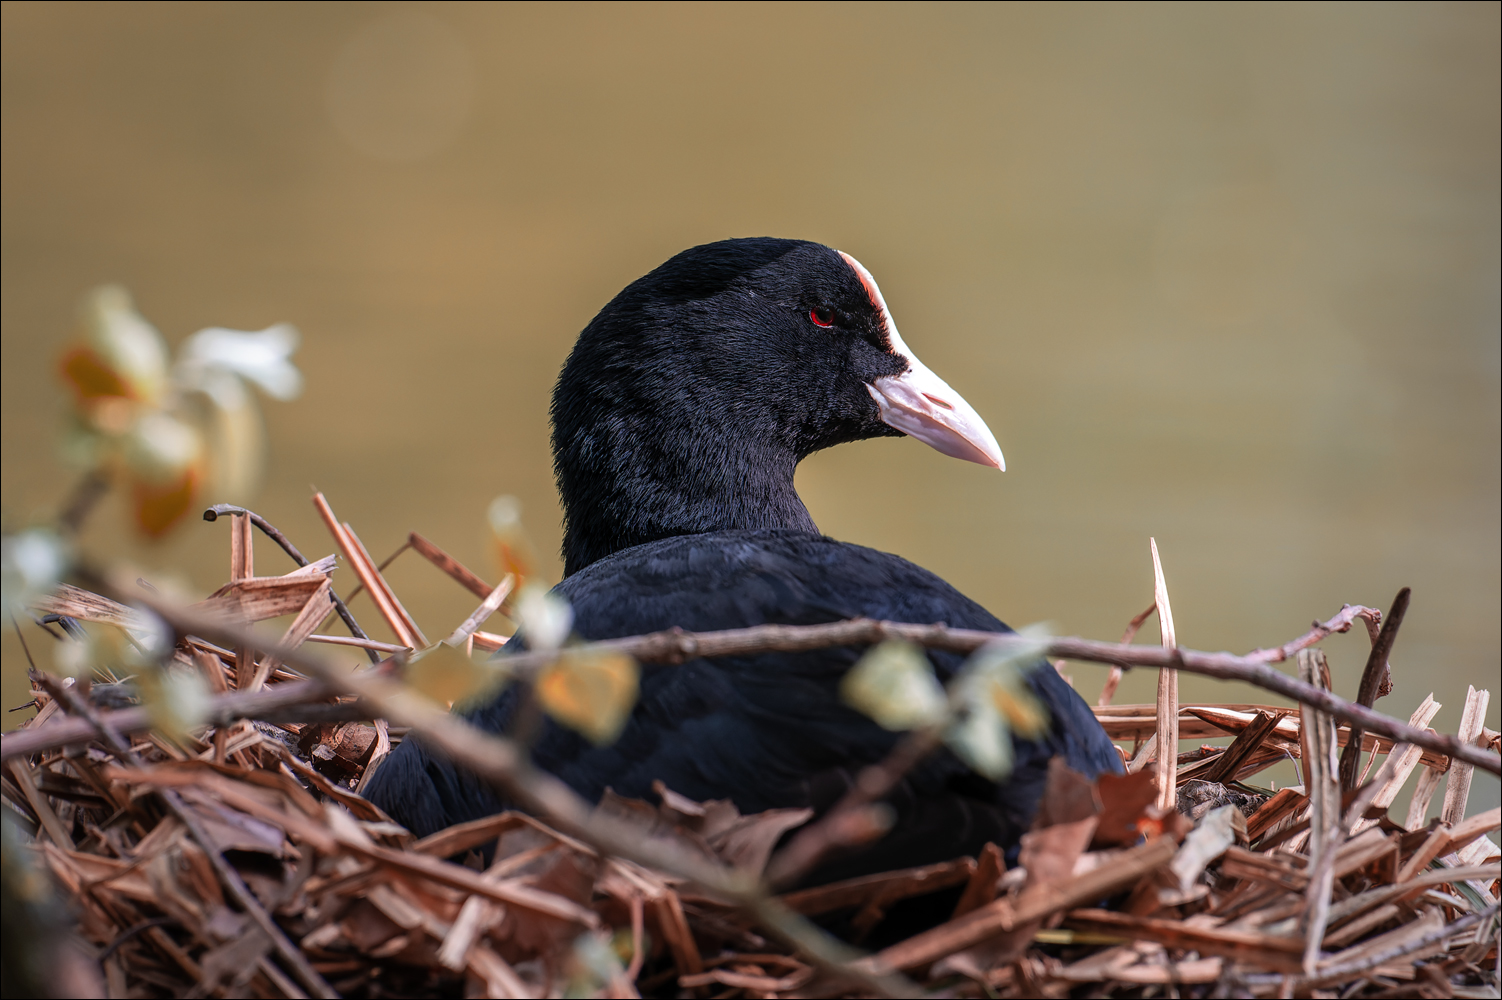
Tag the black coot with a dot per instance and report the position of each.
(678, 421)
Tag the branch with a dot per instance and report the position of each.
(1374, 678)
(1321, 631)
(267, 704)
(85, 495)
(677, 646)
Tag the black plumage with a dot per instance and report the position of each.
(679, 419)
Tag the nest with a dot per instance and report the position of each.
(239, 858)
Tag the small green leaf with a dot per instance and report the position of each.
(895, 685)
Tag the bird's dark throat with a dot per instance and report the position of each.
(612, 506)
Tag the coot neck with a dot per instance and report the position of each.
(662, 485)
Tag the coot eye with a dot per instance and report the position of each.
(821, 317)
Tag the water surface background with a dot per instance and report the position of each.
(1224, 275)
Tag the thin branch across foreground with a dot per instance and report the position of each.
(676, 646)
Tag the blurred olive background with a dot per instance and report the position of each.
(1225, 275)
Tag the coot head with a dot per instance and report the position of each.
(689, 400)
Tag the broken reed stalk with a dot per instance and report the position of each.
(366, 571)
(1375, 681)
(460, 573)
(487, 607)
(1322, 786)
(1168, 693)
(242, 567)
(1458, 783)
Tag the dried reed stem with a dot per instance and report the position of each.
(1168, 693)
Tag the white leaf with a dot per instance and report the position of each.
(505, 514)
(544, 616)
(34, 561)
(263, 357)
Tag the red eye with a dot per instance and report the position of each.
(821, 317)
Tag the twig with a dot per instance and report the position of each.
(460, 573)
(223, 709)
(288, 952)
(1113, 679)
(270, 531)
(242, 567)
(85, 495)
(1318, 633)
(677, 646)
(1372, 682)
(360, 587)
(22, 639)
(132, 931)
